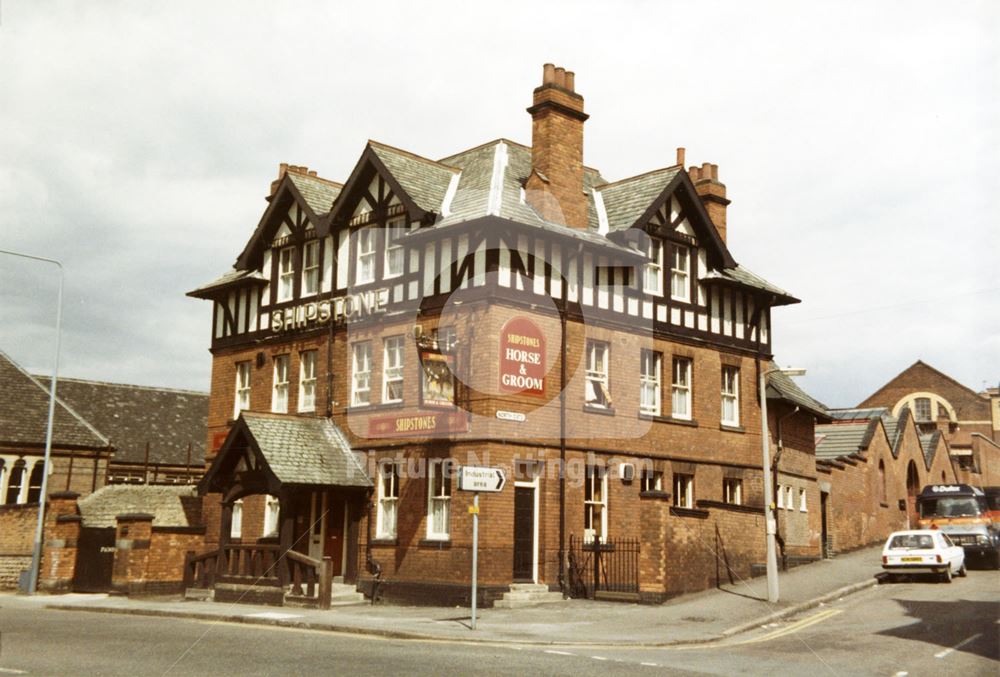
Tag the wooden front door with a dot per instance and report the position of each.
(524, 534)
(95, 558)
(334, 546)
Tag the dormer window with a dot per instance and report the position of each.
(395, 229)
(310, 268)
(286, 274)
(366, 256)
(652, 279)
(680, 274)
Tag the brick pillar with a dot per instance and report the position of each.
(61, 532)
(134, 531)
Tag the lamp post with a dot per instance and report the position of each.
(36, 552)
(770, 523)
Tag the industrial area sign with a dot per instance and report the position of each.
(472, 478)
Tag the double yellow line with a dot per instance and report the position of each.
(794, 627)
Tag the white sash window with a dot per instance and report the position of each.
(242, 388)
(392, 370)
(680, 274)
(279, 393)
(649, 382)
(395, 229)
(681, 388)
(652, 281)
(597, 392)
(272, 508)
(366, 256)
(730, 396)
(361, 374)
(683, 490)
(595, 505)
(732, 491)
(388, 499)
(307, 381)
(310, 268)
(236, 526)
(286, 274)
(438, 499)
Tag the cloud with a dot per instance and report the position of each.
(856, 142)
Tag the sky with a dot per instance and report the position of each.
(858, 142)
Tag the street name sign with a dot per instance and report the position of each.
(472, 478)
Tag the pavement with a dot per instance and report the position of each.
(696, 618)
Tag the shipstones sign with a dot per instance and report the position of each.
(522, 357)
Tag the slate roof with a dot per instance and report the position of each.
(782, 386)
(306, 450)
(840, 439)
(171, 506)
(424, 180)
(746, 277)
(318, 193)
(928, 444)
(626, 200)
(131, 415)
(226, 280)
(24, 410)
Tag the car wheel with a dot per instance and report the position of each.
(946, 576)
(962, 571)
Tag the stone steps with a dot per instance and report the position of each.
(526, 595)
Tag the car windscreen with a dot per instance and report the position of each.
(912, 542)
(952, 506)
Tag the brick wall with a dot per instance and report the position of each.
(17, 535)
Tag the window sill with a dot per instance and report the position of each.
(735, 507)
(385, 541)
(732, 428)
(698, 513)
(361, 408)
(658, 495)
(669, 419)
(604, 411)
(439, 543)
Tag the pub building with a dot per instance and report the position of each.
(506, 306)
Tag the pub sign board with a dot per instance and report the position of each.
(522, 357)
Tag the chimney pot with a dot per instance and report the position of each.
(680, 157)
(548, 74)
(694, 173)
(706, 170)
(715, 172)
(561, 76)
(312, 172)
(571, 81)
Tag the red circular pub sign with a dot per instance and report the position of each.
(522, 357)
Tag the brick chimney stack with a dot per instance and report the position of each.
(712, 192)
(285, 168)
(555, 186)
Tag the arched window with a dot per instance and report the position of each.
(912, 480)
(922, 409)
(881, 482)
(15, 482)
(35, 482)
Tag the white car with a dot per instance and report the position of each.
(922, 551)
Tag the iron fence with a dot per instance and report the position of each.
(608, 565)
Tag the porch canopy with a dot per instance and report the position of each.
(273, 453)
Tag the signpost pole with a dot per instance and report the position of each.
(475, 553)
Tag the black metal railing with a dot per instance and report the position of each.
(609, 565)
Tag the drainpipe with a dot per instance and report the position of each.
(562, 449)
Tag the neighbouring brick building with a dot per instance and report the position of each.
(80, 456)
(871, 466)
(968, 421)
(102, 433)
(504, 306)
